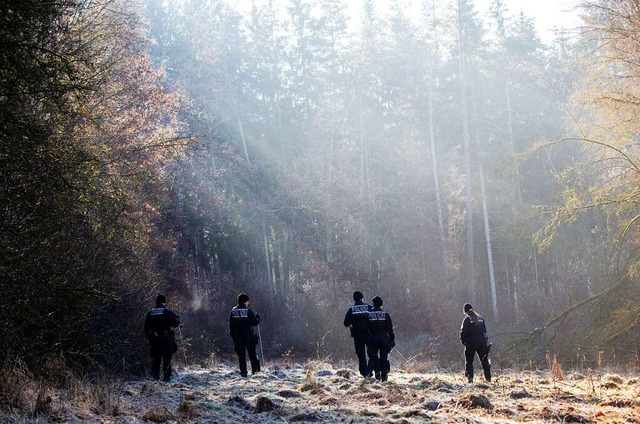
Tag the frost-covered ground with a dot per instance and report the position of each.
(318, 392)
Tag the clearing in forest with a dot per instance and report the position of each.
(320, 392)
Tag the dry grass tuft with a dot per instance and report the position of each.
(475, 401)
(413, 366)
(619, 403)
(51, 395)
(238, 401)
(305, 417)
(576, 376)
(264, 404)
(311, 386)
(556, 370)
(397, 396)
(562, 414)
(158, 414)
(371, 395)
(328, 401)
(188, 407)
(286, 393)
(614, 379)
(57, 373)
(438, 383)
(106, 397)
(288, 359)
(345, 373)
(43, 403)
(213, 360)
(316, 364)
(17, 388)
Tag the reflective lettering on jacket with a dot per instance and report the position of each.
(360, 309)
(239, 314)
(380, 324)
(241, 319)
(377, 316)
(159, 321)
(156, 311)
(357, 317)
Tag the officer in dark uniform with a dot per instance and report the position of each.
(241, 321)
(157, 328)
(382, 338)
(357, 319)
(473, 335)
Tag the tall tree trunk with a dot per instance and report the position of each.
(512, 147)
(506, 277)
(243, 139)
(330, 258)
(470, 278)
(280, 252)
(241, 130)
(432, 27)
(236, 113)
(516, 284)
(436, 183)
(289, 259)
(329, 248)
(536, 273)
(487, 237)
(361, 192)
(281, 140)
(485, 212)
(267, 258)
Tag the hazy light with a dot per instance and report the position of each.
(548, 14)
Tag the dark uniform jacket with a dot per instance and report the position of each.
(158, 324)
(357, 317)
(472, 335)
(241, 321)
(380, 325)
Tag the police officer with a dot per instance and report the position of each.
(382, 338)
(241, 321)
(357, 319)
(473, 335)
(157, 328)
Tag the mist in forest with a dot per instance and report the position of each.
(298, 150)
(381, 155)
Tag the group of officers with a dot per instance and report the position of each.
(160, 320)
(372, 332)
(370, 327)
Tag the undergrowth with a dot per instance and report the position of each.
(56, 389)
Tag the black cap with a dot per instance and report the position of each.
(242, 298)
(357, 295)
(377, 302)
(467, 307)
(160, 299)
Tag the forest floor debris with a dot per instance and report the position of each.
(318, 392)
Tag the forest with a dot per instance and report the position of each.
(296, 152)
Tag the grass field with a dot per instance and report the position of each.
(321, 392)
